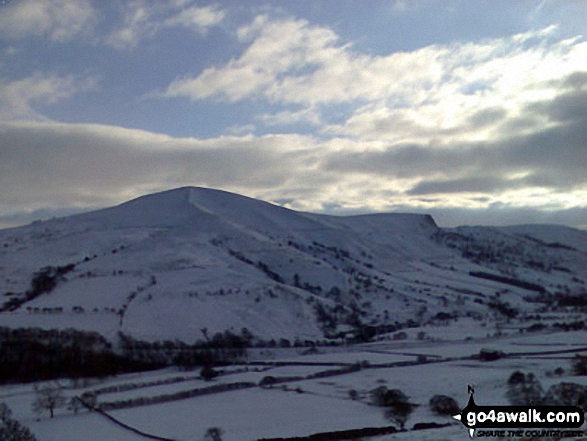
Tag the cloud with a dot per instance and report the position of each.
(497, 125)
(60, 20)
(476, 184)
(278, 48)
(25, 217)
(143, 20)
(292, 61)
(554, 157)
(439, 94)
(287, 117)
(19, 98)
(70, 167)
(502, 215)
(541, 170)
(563, 108)
(52, 164)
(197, 18)
(474, 124)
(137, 24)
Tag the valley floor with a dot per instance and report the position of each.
(311, 393)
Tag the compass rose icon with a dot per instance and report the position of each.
(471, 404)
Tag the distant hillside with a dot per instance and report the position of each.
(193, 261)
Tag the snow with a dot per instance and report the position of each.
(87, 427)
(204, 246)
(304, 407)
(292, 414)
(187, 259)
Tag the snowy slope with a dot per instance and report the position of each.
(167, 265)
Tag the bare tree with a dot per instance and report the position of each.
(75, 404)
(396, 403)
(89, 400)
(213, 434)
(399, 413)
(208, 373)
(48, 398)
(444, 405)
(524, 389)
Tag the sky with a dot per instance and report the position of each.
(474, 111)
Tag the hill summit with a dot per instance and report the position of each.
(175, 264)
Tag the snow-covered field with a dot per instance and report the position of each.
(305, 407)
(167, 265)
(183, 265)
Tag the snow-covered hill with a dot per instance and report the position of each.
(168, 265)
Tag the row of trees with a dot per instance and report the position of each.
(43, 282)
(32, 354)
(525, 389)
(522, 389)
(398, 407)
(221, 348)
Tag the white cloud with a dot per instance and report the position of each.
(483, 88)
(19, 98)
(429, 92)
(60, 20)
(197, 18)
(137, 24)
(143, 20)
(279, 48)
(290, 61)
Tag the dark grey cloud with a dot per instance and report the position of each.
(63, 164)
(486, 117)
(576, 80)
(518, 124)
(554, 157)
(481, 184)
(569, 107)
(411, 160)
(500, 215)
(25, 217)
(397, 123)
(497, 215)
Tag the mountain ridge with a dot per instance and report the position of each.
(169, 264)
